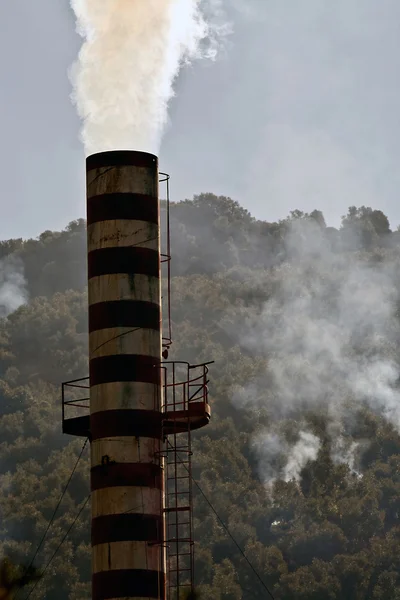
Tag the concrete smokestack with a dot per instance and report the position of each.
(123, 220)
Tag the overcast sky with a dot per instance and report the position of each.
(299, 112)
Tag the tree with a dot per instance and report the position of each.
(246, 294)
(14, 577)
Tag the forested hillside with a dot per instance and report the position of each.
(302, 458)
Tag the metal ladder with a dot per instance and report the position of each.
(184, 389)
(178, 514)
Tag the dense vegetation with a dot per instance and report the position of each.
(314, 524)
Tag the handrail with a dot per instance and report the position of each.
(165, 175)
(77, 400)
(192, 388)
(210, 362)
(186, 382)
(74, 381)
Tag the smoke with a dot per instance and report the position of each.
(13, 286)
(330, 332)
(305, 450)
(344, 451)
(131, 55)
(280, 460)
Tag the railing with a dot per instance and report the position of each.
(184, 384)
(72, 408)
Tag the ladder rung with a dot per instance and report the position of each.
(176, 509)
(173, 587)
(171, 533)
(177, 458)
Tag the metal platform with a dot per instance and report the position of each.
(185, 397)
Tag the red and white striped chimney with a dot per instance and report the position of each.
(123, 220)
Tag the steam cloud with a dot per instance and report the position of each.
(271, 447)
(13, 287)
(132, 53)
(330, 333)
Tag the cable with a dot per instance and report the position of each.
(228, 532)
(65, 537)
(115, 338)
(234, 541)
(84, 505)
(58, 547)
(56, 509)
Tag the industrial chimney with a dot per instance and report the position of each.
(140, 411)
(123, 232)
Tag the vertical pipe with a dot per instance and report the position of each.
(124, 290)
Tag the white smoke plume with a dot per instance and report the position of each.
(330, 332)
(13, 285)
(131, 55)
(305, 450)
(344, 451)
(280, 460)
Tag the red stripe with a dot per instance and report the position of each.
(124, 367)
(126, 423)
(124, 206)
(128, 527)
(124, 313)
(126, 474)
(131, 260)
(121, 158)
(128, 583)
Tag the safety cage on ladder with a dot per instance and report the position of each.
(185, 408)
(166, 268)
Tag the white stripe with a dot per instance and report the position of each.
(126, 555)
(122, 234)
(126, 500)
(125, 340)
(121, 286)
(127, 179)
(125, 450)
(124, 396)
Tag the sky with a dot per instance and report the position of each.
(299, 111)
